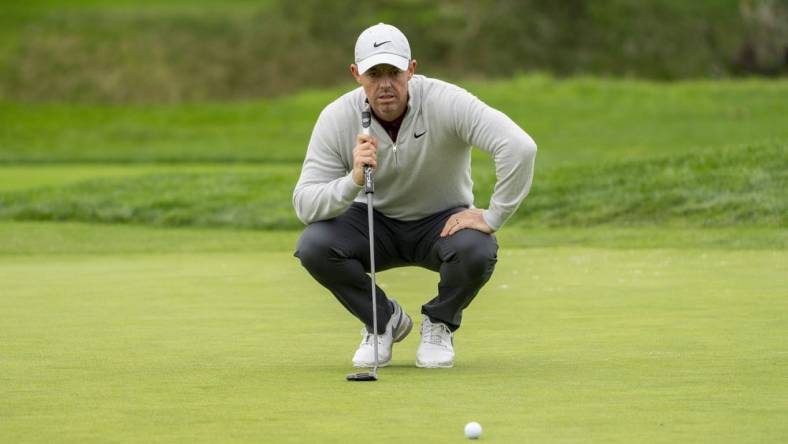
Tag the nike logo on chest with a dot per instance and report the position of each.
(417, 135)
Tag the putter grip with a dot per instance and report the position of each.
(369, 183)
(366, 120)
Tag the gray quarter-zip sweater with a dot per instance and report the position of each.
(427, 169)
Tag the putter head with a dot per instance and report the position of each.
(363, 376)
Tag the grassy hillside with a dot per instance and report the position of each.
(721, 188)
(579, 120)
(613, 153)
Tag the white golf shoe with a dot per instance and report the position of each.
(397, 328)
(437, 345)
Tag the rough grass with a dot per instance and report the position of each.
(241, 200)
(576, 120)
(722, 188)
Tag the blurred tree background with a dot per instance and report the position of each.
(132, 52)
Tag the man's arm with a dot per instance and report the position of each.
(513, 151)
(325, 188)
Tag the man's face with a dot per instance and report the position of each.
(386, 88)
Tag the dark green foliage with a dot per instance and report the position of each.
(764, 48)
(91, 52)
(721, 188)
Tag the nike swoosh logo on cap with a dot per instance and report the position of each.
(376, 44)
(419, 135)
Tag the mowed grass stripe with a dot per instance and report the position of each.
(576, 120)
(721, 188)
(72, 238)
(272, 130)
(16, 177)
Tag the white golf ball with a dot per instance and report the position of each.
(473, 430)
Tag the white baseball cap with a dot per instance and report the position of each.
(382, 43)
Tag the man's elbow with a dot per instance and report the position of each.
(300, 209)
(525, 148)
(303, 218)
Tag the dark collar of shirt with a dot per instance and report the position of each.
(392, 128)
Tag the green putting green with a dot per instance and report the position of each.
(565, 344)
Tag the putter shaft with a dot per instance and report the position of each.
(372, 274)
(369, 189)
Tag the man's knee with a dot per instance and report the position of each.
(315, 246)
(475, 251)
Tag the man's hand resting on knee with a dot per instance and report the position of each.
(470, 218)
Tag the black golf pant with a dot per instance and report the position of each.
(336, 254)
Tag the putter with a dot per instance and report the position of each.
(369, 189)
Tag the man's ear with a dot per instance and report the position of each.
(354, 72)
(411, 68)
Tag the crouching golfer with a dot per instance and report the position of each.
(420, 148)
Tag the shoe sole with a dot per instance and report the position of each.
(401, 333)
(380, 365)
(420, 364)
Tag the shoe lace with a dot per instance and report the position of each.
(368, 338)
(436, 333)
